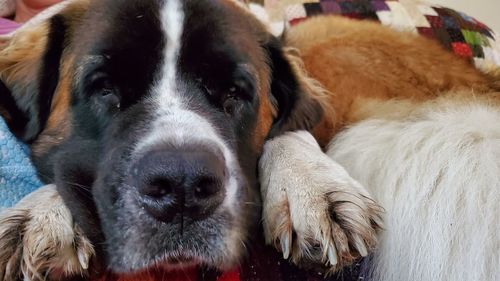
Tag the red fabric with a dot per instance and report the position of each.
(462, 49)
(297, 20)
(180, 275)
(230, 276)
(155, 275)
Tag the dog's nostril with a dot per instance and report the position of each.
(206, 187)
(157, 188)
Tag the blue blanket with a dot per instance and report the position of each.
(17, 174)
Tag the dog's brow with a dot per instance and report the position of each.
(91, 60)
(250, 69)
(85, 62)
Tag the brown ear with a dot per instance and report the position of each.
(30, 61)
(296, 95)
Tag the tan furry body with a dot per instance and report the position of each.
(362, 60)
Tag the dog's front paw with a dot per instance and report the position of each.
(313, 211)
(39, 241)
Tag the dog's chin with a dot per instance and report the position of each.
(216, 242)
(174, 262)
(183, 261)
(180, 260)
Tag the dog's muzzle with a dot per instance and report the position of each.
(173, 183)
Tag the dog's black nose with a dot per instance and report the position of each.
(185, 183)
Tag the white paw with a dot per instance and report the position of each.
(313, 211)
(39, 241)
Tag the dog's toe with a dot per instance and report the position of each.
(11, 222)
(38, 239)
(331, 232)
(313, 211)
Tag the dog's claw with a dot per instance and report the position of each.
(333, 216)
(360, 246)
(84, 249)
(332, 255)
(285, 245)
(46, 235)
(83, 258)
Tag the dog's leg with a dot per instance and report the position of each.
(313, 211)
(38, 239)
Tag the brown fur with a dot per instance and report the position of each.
(363, 60)
(20, 57)
(58, 126)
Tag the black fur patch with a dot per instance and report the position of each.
(49, 73)
(297, 110)
(15, 118)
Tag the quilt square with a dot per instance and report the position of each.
(455, 35)
(330, 7)
(313, 9)
(449, 22)
(435, 22)
(427, 32)
(462, 49)
(380, 6)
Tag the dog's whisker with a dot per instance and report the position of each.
(84, 188)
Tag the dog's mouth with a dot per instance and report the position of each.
(178, 261)
(170, 266)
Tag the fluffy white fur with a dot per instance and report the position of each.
(38, 236)
(306, 193)
(437, 174)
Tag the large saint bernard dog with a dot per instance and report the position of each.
(155, 121)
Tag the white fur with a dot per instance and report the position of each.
(172, 20)
(301, 188)
(38, 237)
(437, 174)
(174, 122)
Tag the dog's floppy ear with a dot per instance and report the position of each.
(30, 62)
(296, 96)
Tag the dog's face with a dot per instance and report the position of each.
(156, 122)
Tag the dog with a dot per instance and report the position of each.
(414, 125)
(147, 118)
(381, 107)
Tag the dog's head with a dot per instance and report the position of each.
(150, 117)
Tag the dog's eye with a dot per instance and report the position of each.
(110, 99)
(103, 90)
(232, 101)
